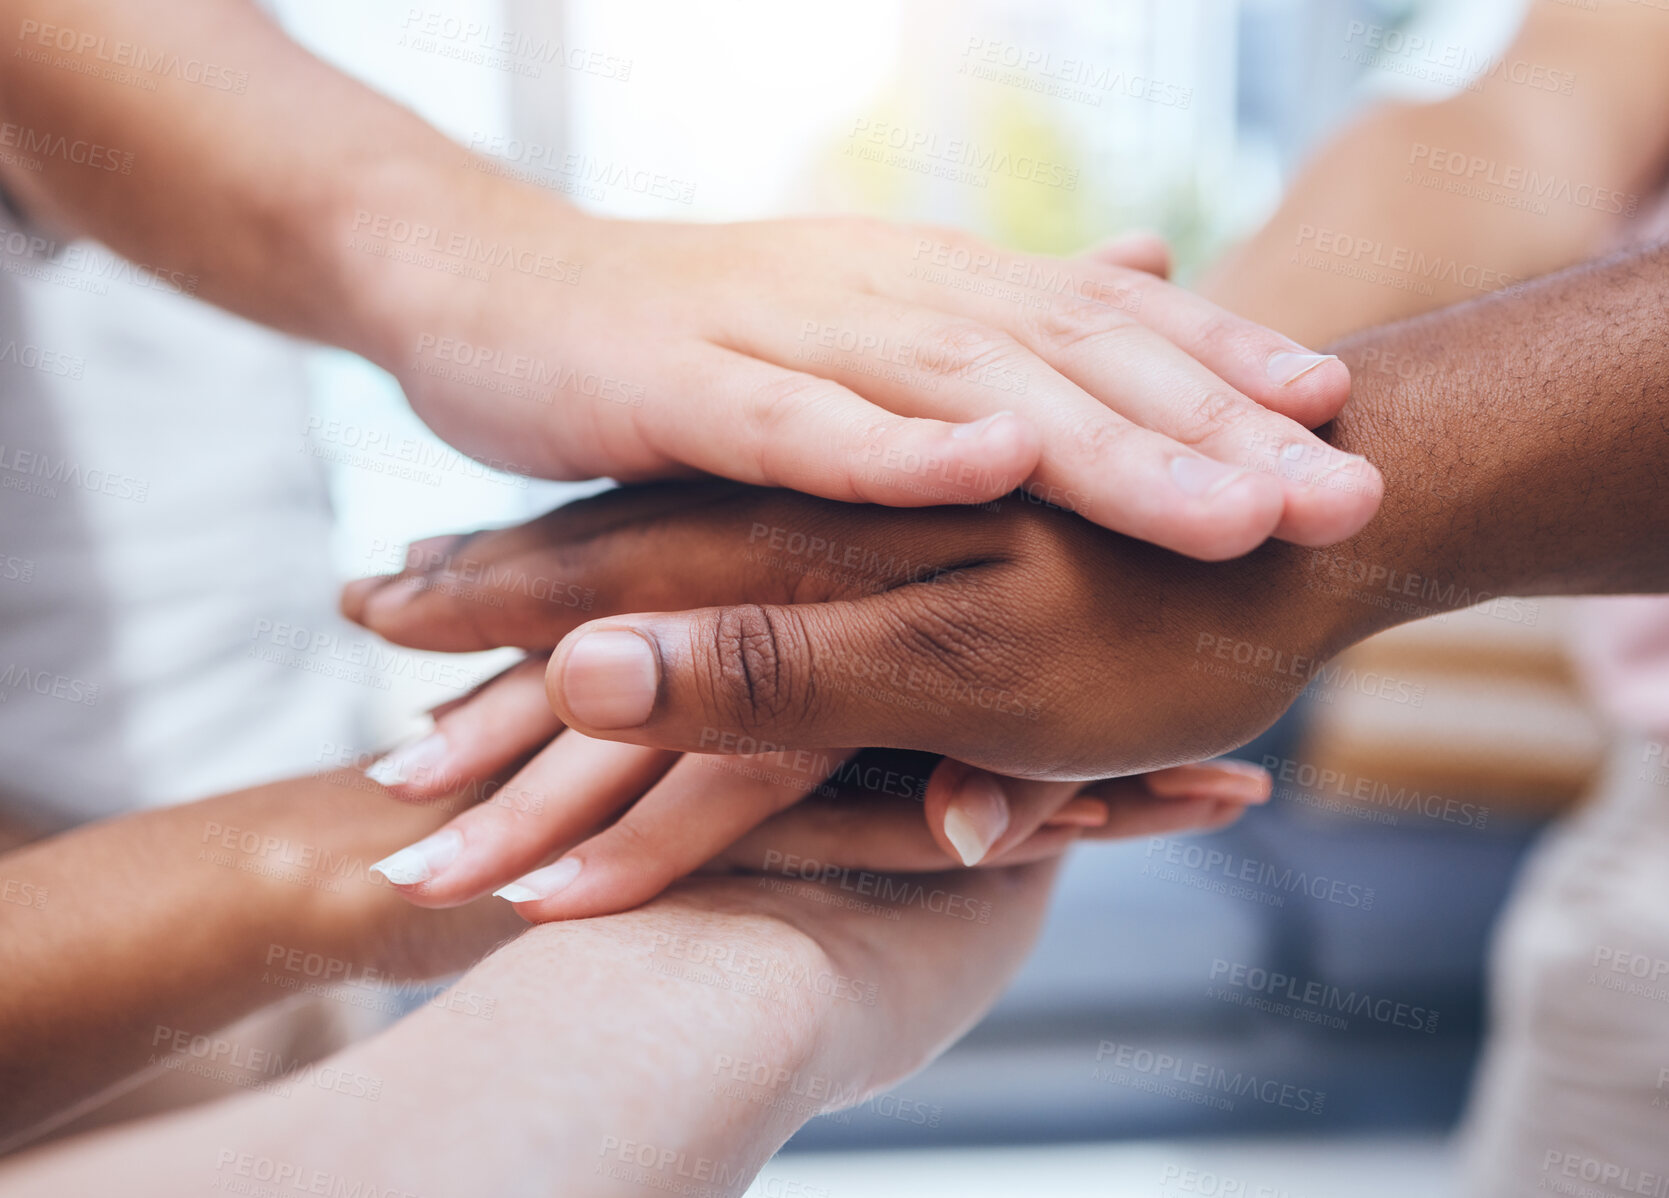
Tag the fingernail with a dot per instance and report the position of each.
(610, 679)
(1285, 367)
(416, 759)
(421, 861)
(977, 428)
(1080, 813)
(541, 883)
(976, 816)
(1232, 780)
(1202, 477)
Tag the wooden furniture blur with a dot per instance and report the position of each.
(1500, 719)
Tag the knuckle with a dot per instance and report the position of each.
(1069, 324)
(953, 639)
(759, 672)
(773, 406)
(1217, 412)
(1102, 437)
(964, 348)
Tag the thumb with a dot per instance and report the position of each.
(757, 678)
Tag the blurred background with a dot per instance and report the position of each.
(1184, 116)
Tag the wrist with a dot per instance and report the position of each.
(433, 245)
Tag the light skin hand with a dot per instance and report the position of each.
(846, 358)
(590, 827)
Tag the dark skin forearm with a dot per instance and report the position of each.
(1524, 439)
(162, 922)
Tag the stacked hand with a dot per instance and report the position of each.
(875, 363)
(1020, 641)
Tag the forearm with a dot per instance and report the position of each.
(1416, 206)
(162, 925)
(1524, 440)
(254, 170)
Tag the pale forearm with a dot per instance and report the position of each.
(248, 167)
(674, 1047)
(593, 1062)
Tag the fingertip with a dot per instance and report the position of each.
(1317, 385)
(351, 603)
(1333, 506)
(994, 455)
(1230, 518)
(1236, 781)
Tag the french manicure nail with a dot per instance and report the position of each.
(977, 428)
(610, 679)
(975, 817)
(421, 861)
(1202, 477)
(1285, 367)
(541, 883)
(419, 759)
